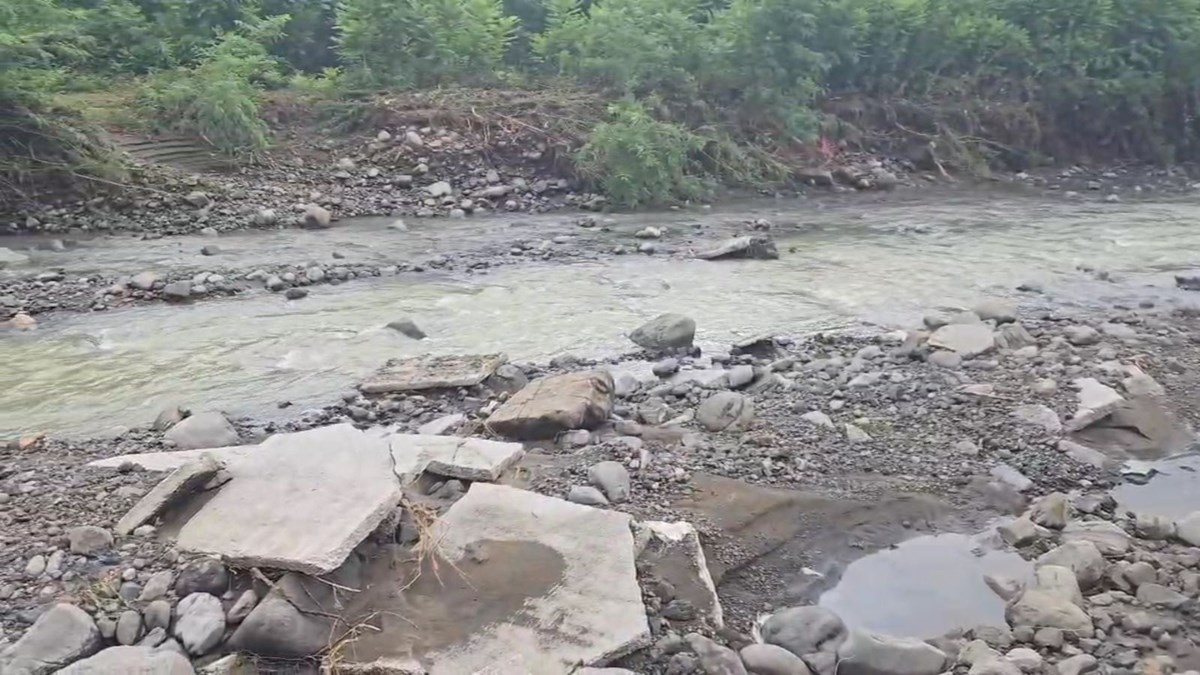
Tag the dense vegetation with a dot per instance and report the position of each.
(705, 89)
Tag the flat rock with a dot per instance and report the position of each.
(203, 430)
(62, 635)
(181, 483)
(442, 425)
(672, 552)
(550, 405)
(418, 373)
(760, 247)
(1037, 415)
(964, 339)
(871, 654)
(452, 456)
(132, 661)
(1108, 538)
(592, 613)
(300, 502)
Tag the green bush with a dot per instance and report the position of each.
(218, 98)
(637, 160)
(424, 42)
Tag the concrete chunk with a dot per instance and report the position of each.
(465, 458)
(589, 612)
(182, 482)
(300, 502)
(672, 552)
(417, 373)
(1096, 401)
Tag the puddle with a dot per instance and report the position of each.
(1173, 491)
(925, 587)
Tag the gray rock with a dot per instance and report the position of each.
(550, 405)
(856, 435)
(439, 189)
(35, 566)
(1025, 659)
(89, 539)
(203, 430)
(144, 281)
(1081, 557)
(1052, 511)
(664, 333)
(1154, 527)
(1081, 336)
(315, 217)
(612, 478)
(666, 367)
(947, 360)
(812, 633)
(1000, 311)
(1078, 665)
(740, 376)
(153, 638)
(206, 575)
(132, 661)
(507, 378)
(242, 608)
(265, 218)
(763, 659)
(177, 290)
(1156, 595)
(870, 654)
(965, 339)
(1109, 538)
(818, 419)
(1040, 416)
(1008, 475)
(1013, 336)
(199, 623)
(586, 495)
(157, 615)
(715, 659)
(129, 627)
(442, 425)
(1187, 529)
(725, 410)
(274, 283)
(295, 293)
(277, 629)
(1048, 607)
(994, 666)
(61, 636)
(407, 328)
(759, 247)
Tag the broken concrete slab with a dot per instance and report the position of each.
(171, 461)
(452, 456)
(417, 373)
(182, 482)
(1141, 428)
(548, 586)
(672, 552)
(550, 405)
(301, 502)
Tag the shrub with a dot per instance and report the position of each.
(637, 160)
(424, 42)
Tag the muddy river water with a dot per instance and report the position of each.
(843, 264)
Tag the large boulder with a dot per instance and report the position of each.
(132, 661)
(964, 339)
(665, 332)
(203, 430)
(815, 634)
(871, 654)
(550, 405)
(1081, 557)
(61, 636)
(725, 410)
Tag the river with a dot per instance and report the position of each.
(843, 264)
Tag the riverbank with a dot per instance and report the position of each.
(821, 450)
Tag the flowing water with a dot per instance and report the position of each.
(843, 264)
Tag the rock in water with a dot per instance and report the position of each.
(964, 339)
(132, 661)
(664, 333)
(61, 636)
(870, 654)
(725, 410)
(550, 405)
(759, 247)
(612, 478)
(408, 328)
(199, 623)
(316, 217)
(203, 430)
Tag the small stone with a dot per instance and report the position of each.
(295, 293)
(818, 419)
(157, 615)
(725, 410)
(1048, 637)
(1019, 532)
(408, 328)
(129, 627)
(612, 478)
(587, 495)
(199, 623)
(242, 608)
(36, 566)
(715, 659)
(206, 575)
(1156, 595)
(1078, 665)
(1052, 511)
(1082, 336)
(1027, 660)
(89, 539)
(763, 659)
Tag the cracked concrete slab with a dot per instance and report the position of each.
(546, 585)
(182, 482)
(452, 456)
